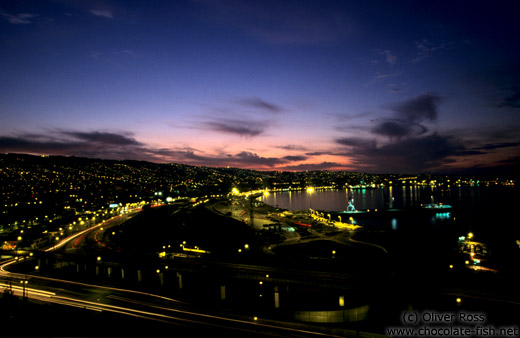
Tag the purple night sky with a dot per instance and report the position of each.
(373, 86)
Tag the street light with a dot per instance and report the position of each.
(18, 244)
(24, 282)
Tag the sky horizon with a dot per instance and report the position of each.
(372, 86)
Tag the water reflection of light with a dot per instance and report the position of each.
(391, 197)
(443, 215)
(394, 224)
(337, 200)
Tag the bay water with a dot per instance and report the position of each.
(490, 212)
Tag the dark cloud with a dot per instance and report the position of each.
(186, 156)
(317, 153)
(242, 160)
(312, 166)
(246, 117)
(292, 147)
(396, 129)
(72, 143)
(392, 129)
(470, 152)
(418, 109)
(512, 161)
(492, 146)
(295, 158)
(410, 155)
(258, 103)
(409, 147)
(408, 117)
(255, 160)
(33, 145)
(104, 138)
(356, 142)
(237, 127)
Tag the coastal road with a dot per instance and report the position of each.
(94, 233)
